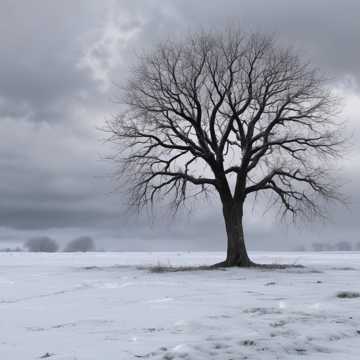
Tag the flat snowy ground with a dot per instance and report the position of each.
(102, 306)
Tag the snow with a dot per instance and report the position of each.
(109, 306)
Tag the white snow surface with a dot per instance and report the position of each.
(109, 306)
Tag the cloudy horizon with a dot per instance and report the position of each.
(59, 70)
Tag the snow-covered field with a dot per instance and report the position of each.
(102, 306)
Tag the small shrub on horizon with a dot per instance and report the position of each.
(41, 244)
(80, 244)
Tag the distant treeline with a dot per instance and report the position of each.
(339, 246)
(47, 244)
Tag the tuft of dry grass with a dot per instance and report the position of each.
(159, 268)
(347, 295)
(275, 266)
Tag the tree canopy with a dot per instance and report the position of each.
(230, 112)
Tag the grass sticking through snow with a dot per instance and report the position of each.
(347, 295)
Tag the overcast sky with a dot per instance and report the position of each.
(58, 66)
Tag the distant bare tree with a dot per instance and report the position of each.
(357, 246)
(80, 244)
(232, 113)
(343, 246)
(318, 246)
(41, 244)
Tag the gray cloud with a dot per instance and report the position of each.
(41, 45)
(57, 68)
(327, 31)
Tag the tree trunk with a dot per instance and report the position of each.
(236, 249)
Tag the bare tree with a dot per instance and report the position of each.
(41, 244)
(228, 112)
(80, 244)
